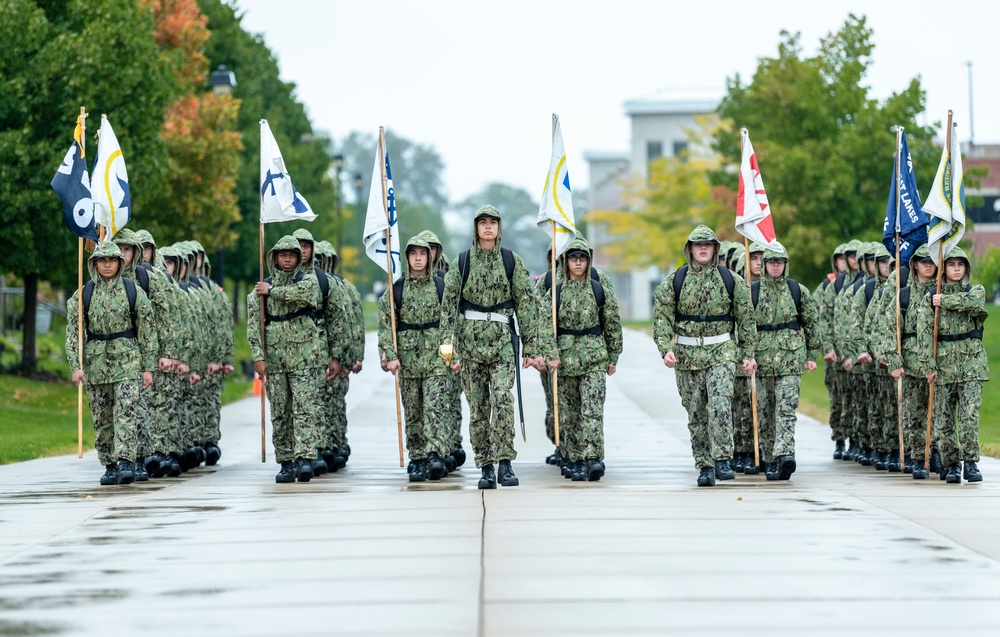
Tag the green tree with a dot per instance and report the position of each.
(825, 147)
(56, 56)
(520, 232)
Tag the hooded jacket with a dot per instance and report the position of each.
(487, 286)
(783, 351)
(703, 293)
(885, 346)
(578, 311)
(161, 294)
(844, 341)
(962, 313)
(353, 309)
(294, 341)
(116, 359)
(440, 265)
(418, 331)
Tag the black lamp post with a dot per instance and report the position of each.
(223, 81)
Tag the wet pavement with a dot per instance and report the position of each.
(840, 549)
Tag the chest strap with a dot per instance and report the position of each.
(590, 331)
(774, 327)
(280, 318)
(950, 338)
(403, 327)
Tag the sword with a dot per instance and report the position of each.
(514, 341)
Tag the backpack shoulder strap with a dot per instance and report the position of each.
(904, 299)
(439, 284)
(727, 278)
(838, 283)
(755, 293)
(904, 276)
(142, 277)
(130, 293)
(548, 280)
(595, 274)
(324, 283)
(463, 267)
(869, 290)
(508, 266)
(598, 289)
(397, 295)
(793, 287)
(679, 277)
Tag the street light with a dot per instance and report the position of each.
(338, 167)
(222, 81)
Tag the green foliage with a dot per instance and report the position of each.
(825, 147)
(986, 270)
(39, 419)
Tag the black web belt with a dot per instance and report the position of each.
(590, 331)
(129, 333)
(403, 327)
(978, 334)
(774, 327)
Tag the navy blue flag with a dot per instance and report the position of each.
(904, 213)
(72, 184)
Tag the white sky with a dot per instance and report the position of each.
(479, 81)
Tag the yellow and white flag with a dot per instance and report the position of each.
(109, 183)
(945, 205)
(557, 198)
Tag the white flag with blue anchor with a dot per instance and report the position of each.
(279, 201)
(109, 183)
(382, 252)
(557, 197)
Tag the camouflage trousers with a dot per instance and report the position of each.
(846, 388)
(742, 415)
(886, 424)
(159, 410)
(915, 395)
(453, 410)
(337, 396)
(424, 404)
(114, 407)
(777, 400)
(833, 381)
(956, 419)
(491, 406)
(210, 431)
(144, 420)
(707, 395)
(201, 409)
(863, 408)
(185, 412)
(550, 416)
(296, 400)
(581, 415)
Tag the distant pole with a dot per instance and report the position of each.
(972, 130)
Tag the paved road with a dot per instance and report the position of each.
(839, 550)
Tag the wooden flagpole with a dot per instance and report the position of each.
(80, 309)
(555, 330)
(937, 311)
(388, 259)
(753, 374)
(899, 324)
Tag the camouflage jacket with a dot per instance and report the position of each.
(117, 359)
(160, 296)
(704, 293)
(356, 319)
(296, 343)
(961, 312)
(335, 323)
(886, 348)
(417, 350)
(875, 329)
(843, 316)
(784, 352)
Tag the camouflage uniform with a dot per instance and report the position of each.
(743, 453)
(544, 285)
(152, 421)
(590, 340)
(961, 365)
(885, 423)
(842, 303)
(484, 348)
(453, 400)
(423, 372)
(787, 338)
(705, 372)
(222, 354)
(354, 353)
(295, 355)
(188, 351)
(825, 294)
(114, 358)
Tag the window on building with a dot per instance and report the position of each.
(654, 150)
(679, 149)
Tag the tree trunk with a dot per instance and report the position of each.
(236, 301)
(28, 359)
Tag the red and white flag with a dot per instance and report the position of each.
(753, 214)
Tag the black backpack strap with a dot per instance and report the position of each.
(755, 293)
(596, 330)
(397, 299)
(88, 293)
(793, 287)
(904, 276)
(508, 266)
(439, 284)
(324, 283)
(679, 277)
(142, 277)
(869, 290)
(463, 268)
(728, 280)
(548, 280)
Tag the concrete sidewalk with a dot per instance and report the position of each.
(839, 550)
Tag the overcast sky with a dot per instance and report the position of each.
(479, 81)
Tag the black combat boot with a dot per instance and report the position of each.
(723, 471)
(751, 468)
(489, 478)
(151, 463)
(164, 468)
(771, 471)
(339, 460)
(894, 466)
(212, 454)
(954, 475)
(303, 470)
(345, 450)
(435, 467)
(175, 466)
(420, 471)
(852, 451)
(971, 472)
(459, 454)
(579, 472)
(505, 475)
(740, 462)
(328, 457)
(786, 467)
(707, 477)
(866, 457)
(319, 466)
(450, 464)
(286, 474)
(139, 471)
(553, 458)
(110, 475)
(126, 475)
(571, 468)
(880, 461)
(595, 470)
(909, 465)
(838, 451)
(919, 472)
(565, 467)
(936, 464)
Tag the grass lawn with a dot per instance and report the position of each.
(815, 402)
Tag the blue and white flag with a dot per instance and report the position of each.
(72, 184)
(947, 210)
(904, 214)
(381, 216)
(109, 183)
(279, 201)
(557, 197)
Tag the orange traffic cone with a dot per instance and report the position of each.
(256, 384)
